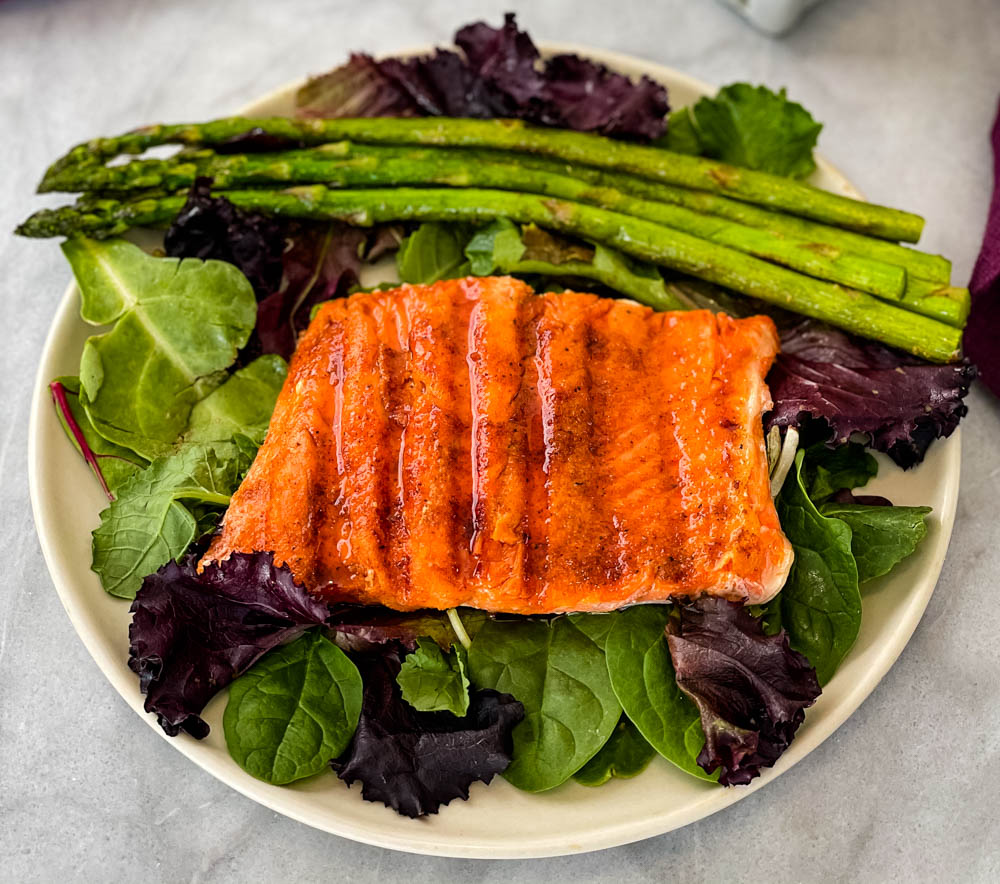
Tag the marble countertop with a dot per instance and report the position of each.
(903, 791)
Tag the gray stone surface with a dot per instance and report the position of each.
(905, 790)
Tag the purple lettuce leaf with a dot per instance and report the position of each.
(499, 73)
(508, 61)
(845, 495)
(192, 634)
(212, 227)
(441, 85)
(900, 402)
(591, 98)
(360, 628)
(292, 266)
(415, 761)
(359, 88)
(751, 689)
(322, 262)
(980, 336)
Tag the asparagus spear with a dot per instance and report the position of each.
(948, 303)
(813, 252)
(148, 173)
(797, 243)
(342, 164)
(923, 265)
(848, 309)
(654, 163)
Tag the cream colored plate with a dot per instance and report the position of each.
(498, 821)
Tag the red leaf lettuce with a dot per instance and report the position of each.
(751, 689)
(292, 266)
(212, 227)
(192, 634)
(415, 761)
(855, 386)
(499, 74)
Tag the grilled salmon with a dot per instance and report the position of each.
(474, 443)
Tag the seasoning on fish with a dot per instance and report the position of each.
(473, 443)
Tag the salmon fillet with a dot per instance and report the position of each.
(473, 443)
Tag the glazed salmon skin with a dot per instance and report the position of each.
(473, 443)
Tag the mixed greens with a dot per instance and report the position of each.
(173, 399)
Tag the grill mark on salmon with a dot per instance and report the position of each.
(330, 524)
(473, 443)
(364, 443)
(393, 325)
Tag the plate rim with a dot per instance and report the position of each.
(421, 839)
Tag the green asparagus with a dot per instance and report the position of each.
(342, 164)
(653, 163)
(848, 309)
(918, 264)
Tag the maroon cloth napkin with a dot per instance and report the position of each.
(982, 334)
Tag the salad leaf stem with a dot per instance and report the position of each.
(58, 392)
(785, 460)
(456, 623)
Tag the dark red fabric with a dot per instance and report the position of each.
(982, 333)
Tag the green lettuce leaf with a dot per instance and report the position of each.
(433, 252)
(117, 464)
(749, 126)
(294, 711)
(681, 137)
(497, 246)
(881, 536)
(829, 470)
(147, 526)
(243, 404)
(176, 326)
(503, 248)
(434, 680)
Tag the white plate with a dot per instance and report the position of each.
(498, 821)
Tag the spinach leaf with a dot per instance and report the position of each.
(176, 326)
(626, 754)
(829, 470)
(597, 627)
(243, 404)
(294, 711)
(117, 464)
(752, 127)
(820, 604)
(433, 252)
(146, 526)
(432, 680)
(557, 671)
(881, 536)
(645, 684)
